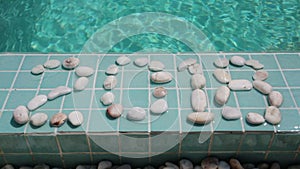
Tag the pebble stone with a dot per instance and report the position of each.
(161, 77)
(160, 92)
(185, 164)
(7, 166)
(231, 113)
(58, 91)
(125, 166)
(195, 69)
(107, 98)
(84, 71)
(198, 81)
(235, 164)
(273, 115)
(81, 83)
(58, 119)
(221, 62)
(21, 115)
(156, 66)
(185, 64)
(237, 60)
(123, 60)
(52, 64)
(38, 119)
(171, 165)
(260, 75)
(240, 84)
(112, 70)
(136, 114)
(255, 118)
(71, 63)
(248, 166)
(262, 86)
(223, 165)
(104, 164)
(36, 102)
(110, 82)
(201, 117)
(263, 166)
(148, 167)
(38, 69)
(210, 163)
(275, 166)
(222, 76)
(198, 100)
(141, 62)
(275, 98)
(41, 166)
(25, 167)
(222, 95)
(75, 118)
(115, 110)
(159, 106)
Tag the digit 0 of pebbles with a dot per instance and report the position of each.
(115, 110)
(107, 98)
(273, 115)
(237, 61)
(260, 75)
(159, 106)
(81, 83)
(58, 119)
(136, 114)
(84, 71)
(255, 118)
(195, 69)
(198, 81)
(71, 63)
(160, 92)
(75, 118)
(21, 115)
(221, 62)
(156, 66)
(141, 62)
(240, 84)
(123, 60)
(198, 100)
(38, 119)
(222, 95)
(110, 82)
(112, 70)
(222, 76)
(38, 69)
(52, 64)
(275, 98)
(231, 113)
(161, 77)
(201, 117)
(262, 86)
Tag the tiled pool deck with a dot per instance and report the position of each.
(67, 146)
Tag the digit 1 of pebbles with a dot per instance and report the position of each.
(38, 69)
(198, 81)
(20, 115)
(185, 64)
(231, 113)
(75, 118)
(201, 117)
(159, 106)
(110, 82)
(112, 70)
(254, 118)
(222, 76)
(36, 102)
(136, 114)
(160, 92)
(161, 77)
(81, 83)
(58, 119)
(141, 62)
(107, 98)
(198, 100)
(156, 66)
(221, 62)
(38, 119)
(58, 91)
(123, 60)
(84, 71)
(241, 84)
(52, 64)
(262, 86)
(115, 110)
(275, 98)
(71, 63)
(237, 61)
(222, 95)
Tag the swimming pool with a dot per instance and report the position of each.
(65, 26)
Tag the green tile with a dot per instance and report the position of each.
(296, 95)
(72, 160)
(134, 143)
(290, 121)
(51, 104)
(195, 158)
(18, 160)
(135, 79)
(32, 61)
(131, 126)
(8, 125)
(27, 80)
(226, 142)
(275, 79)
(288, 61)
(73, 143)
(135, 98)
(188, 126)
(185, 95)
(88, 60)
(251, 98)
(167, 60)
(241, 75)
(132, 160)
(3, 95)
(184, 79)
(68, 127)
(10, 62)
(19, 97)
(8, 78)
(104, 142)
(190, 143)
(46, 128)
(285, 142)
(171, 98)
(101, 76)
(292, 78)
(100, 122)
(208, 60)
(54, 160)
(267, 60)
(165, 142)
(287, 98)
(13, 144)
(115, 159)
(76, 100)
(42, 144)
(283, 158)
(167, 121)
(221, 124)
(157, 160)
(54, 79)
(262, 127)
(98, 95)
(256, 142)
(2, 162)
(251, 157)
(169, 84)
(106, 61)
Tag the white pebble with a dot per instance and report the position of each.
(171, 165)
(231, 113)
(260, 75)
(222, 76)
(59, 91)
(240, 84)
(251, 62)
(273, 115)
(262, 86)
(140, 62)
(275, 98)
(198, 100)
(195, 69)
(71, 63)
(36, 102)
(81, 83)
(221, 62)
(156, 66)
(222, 95)
(52, 64)
(237, 60)
(201, 117)
(38, 69)
(21, 115)
(136, 114)
(276, 165)
(41, 166)
(198, 81)
(185, 164)
(38, 119)
(223, 165)
(104, 164)
(160, 92)
(84, 71)
(161, 77)
(255, 118)
(210, 163)
(258, 66)
(159, 106)
(58, 119)
(185, 64)
(123, 60)
(7, 166)
(107, 98)
(112, 70)
(115, 110)
(110, 82)
(75, 118)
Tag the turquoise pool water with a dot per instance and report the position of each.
(64, 26)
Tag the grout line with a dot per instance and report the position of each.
(118, 124)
